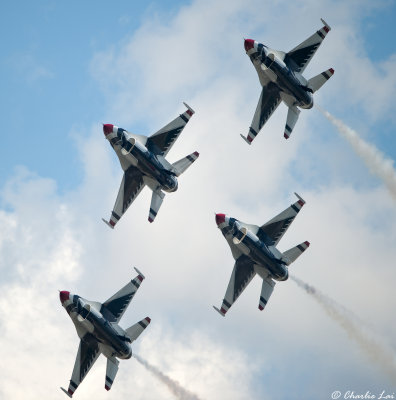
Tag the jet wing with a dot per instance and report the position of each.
(131, 185)
(299, 57)
(241, 276)
(113, 308)
(162, 141)
(272, 231)
(268, 102)
(88, 353)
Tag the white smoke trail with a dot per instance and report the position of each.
(375, 160)
(174, 386)
(380, 353)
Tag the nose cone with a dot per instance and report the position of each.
(64, 296)
(249, 44)
(107, 128)
(220, 218)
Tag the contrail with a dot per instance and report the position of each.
(173, 386)
(379, 353)
(375, 160)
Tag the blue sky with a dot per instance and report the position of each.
(68, 67)
(48, 87)
(47, 82)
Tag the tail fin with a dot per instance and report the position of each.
(318, 81)
(181, 165)
(134, 331)
(292, 254)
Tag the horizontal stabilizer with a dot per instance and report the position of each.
(111, 371)
(181, 165)
(292, 117)
(266, 291)
(135, 330)
(318, 81)
(292, 254)
(67, 392)
(156, 201)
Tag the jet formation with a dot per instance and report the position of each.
(280, 75)
(254, 250)
(143, 162)
(97, 327)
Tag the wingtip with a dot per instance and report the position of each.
(107, 387)
(148, 319)
(300, 198)
(65, 391)
(188, 107)
(246, 139)
(286, 136)
(222, 314)
(139, 273)
(326, 24)
(307, 243)
(108, 223)
(260, 307)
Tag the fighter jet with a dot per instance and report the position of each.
(143, 161)
(280, 75)
(254, 250)
(97, 326)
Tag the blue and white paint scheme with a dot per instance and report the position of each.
(280, 75)
(143, 161)
(97, 327)
(254, 250)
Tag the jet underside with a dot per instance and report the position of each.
(281, 77)
(251, 246)
(254, 249)
(144, 164)
(137, 155)
(290, 84)
(98, 327)
(87, 319)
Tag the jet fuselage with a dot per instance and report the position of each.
(88, 319)
(269, 65)
(131, 152)
(250, 245)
